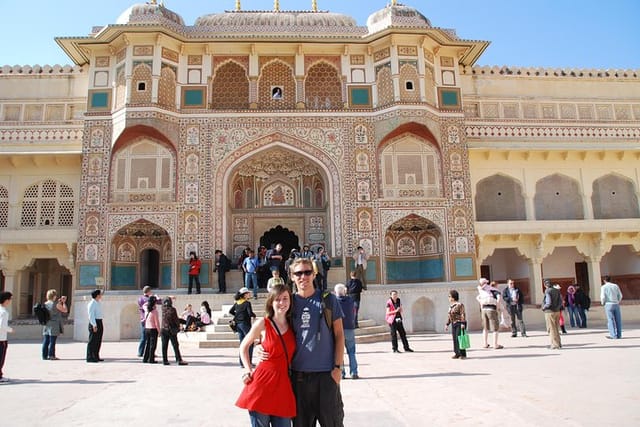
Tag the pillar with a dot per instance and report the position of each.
(535, 280)
(10, 286)
(595, 277)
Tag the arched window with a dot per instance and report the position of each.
(143, 172)
(48, 204)
(4, 207)
(411, 168)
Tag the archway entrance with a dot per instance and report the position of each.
(414, 251)
(149, 268)
(284, 236)
(142, 256)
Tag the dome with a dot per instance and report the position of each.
(145, 13)
(254, 21)
(396, 16)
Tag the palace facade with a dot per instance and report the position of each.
(250, 128)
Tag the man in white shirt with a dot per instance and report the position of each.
(610, 297)
(5, 300)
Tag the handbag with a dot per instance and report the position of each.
(463, 340)
(233, 325)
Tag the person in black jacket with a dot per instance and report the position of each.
(222, 266)
(243, 314)
(354, 289)
(584, 303)
(169, 331)
(513, 298)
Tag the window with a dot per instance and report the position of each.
(48, 204)
(142, 86)
(411, 168)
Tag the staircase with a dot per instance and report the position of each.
(219, 335)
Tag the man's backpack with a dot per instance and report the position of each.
(42, 314)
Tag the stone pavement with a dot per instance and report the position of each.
(592, 381)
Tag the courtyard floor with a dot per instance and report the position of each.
(592, 381)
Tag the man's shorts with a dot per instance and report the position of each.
(490, 320)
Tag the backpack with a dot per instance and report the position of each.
(42, 314)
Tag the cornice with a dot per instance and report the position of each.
(570, 73)
(513, 131)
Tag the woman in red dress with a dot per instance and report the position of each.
(267, 393)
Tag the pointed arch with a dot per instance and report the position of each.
(558, 197)
(500, 198)
(230, 86)
(323, 87)
(277, 73)
(614, 196)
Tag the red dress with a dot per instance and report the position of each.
(270, 391)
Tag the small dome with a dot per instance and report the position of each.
(272, 19)
(145, 13)
(396, 16)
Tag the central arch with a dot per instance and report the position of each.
(260, 195)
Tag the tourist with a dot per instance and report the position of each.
(360, 262)
(354, 289)
(151, 331)
(610, 297)
(194, 271)
(243, 315)
(5, 300)
(267, 393)
(96, 329)
(513, 298)
(54, 327)
(189, 319)
(552, 307)
(393, 316)
(349, 325)
(317, 362)
(250, 269)
(458, 321)
(169, 331)
(223, 264)
(584, 304)
(489, 300)
(142, 301)
(275, 280)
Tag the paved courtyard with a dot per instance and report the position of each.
(592, 381)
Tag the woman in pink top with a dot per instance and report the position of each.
(151, 330)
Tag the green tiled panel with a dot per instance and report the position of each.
(415, 270)
(88, 274)
(123, 277)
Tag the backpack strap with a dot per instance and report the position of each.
(326, 310)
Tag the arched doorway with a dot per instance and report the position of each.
(414, 251)
(284, 236)
(141, 255)
(149, 268)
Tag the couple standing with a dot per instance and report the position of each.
(302, 338)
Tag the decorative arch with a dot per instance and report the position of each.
(277, 73)
(4, 207)
(310, 152)
(500, 198)
(323, 87)
(384, 83)
(230, 86)
(141, 80)
(409, 76)
(614, 196)
(167, 87)
(558, 197)
(413, 250)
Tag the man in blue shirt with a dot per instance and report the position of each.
(250, 268)
(610, 297)
(94, 310)
(348, 306)
(317, 362)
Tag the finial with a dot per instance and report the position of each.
(153, 2)
(394, 2)
(314, 5)
(276, 5)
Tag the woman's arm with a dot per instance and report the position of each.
(254, 333)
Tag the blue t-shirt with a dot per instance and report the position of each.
(314, 340)
(348, 309)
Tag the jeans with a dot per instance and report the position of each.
(263, 420)
(166, 337)
(251, 282)
(49, 346)
(515, 311)
(583, 316)
(614, 319)
(192, 278)
(456, 328)
(574, 315)
(243, 330)
(141, 343)
(350, 345)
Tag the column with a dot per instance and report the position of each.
(10, 286)
(595, 278)
(535, 280)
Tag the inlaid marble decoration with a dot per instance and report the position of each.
(190, 247)
(91, 252)
(364, 194)
(362, 161)
(126, 252)
(193, 135)
(191, 224)
(455, 161)
(364, 219)
(95, 164)
(193, 162)
(92, 226)
(97, 137)
(191, 193)
(457, 189)
(453, 135)
(462, 245)
(360, 133)
(93, 195)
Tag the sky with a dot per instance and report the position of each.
(570, 34)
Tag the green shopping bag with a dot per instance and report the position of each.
(463, 340)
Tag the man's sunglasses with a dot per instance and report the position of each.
(305, 272)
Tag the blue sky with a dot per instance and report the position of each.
(539, 33)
